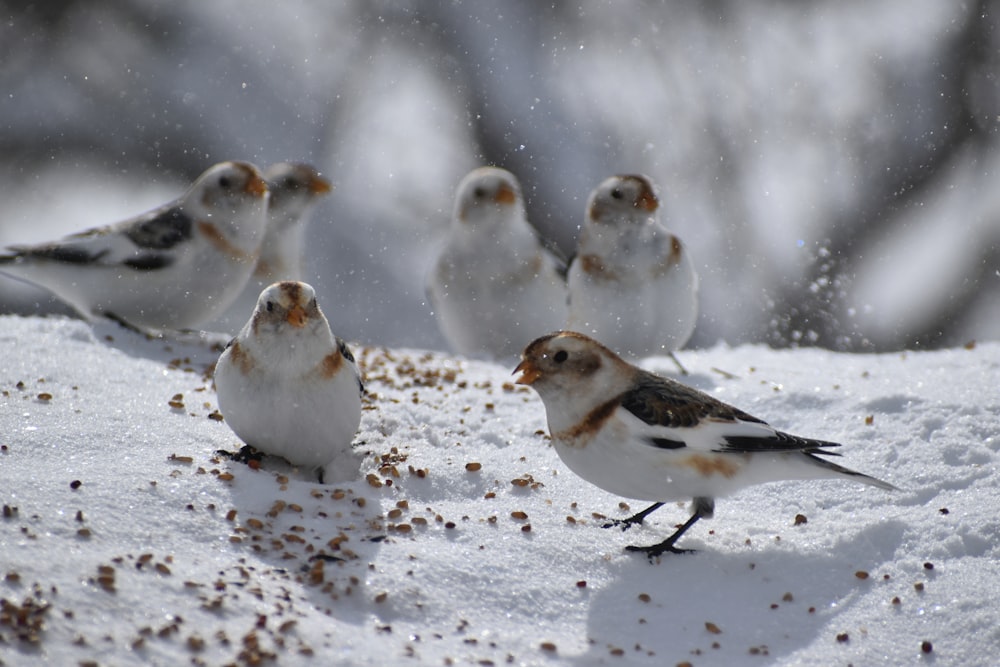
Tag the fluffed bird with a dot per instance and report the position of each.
(287, 386)
(642, 436)
(632, 284)
(494, 286)
(172, 268)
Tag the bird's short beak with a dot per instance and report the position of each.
(319, 185)
(648, 202)
(256, 186)
(297, 316)
(529, 372)
(505, 195)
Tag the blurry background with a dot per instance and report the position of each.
(833, 166)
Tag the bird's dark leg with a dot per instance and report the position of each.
(677, 361)
(134, 328)
(702, 507)
(625, 524)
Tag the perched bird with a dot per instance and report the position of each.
(295, 190)
(642, 436)
(172, 268)
(288, 387)
(494, 286)
(632, 284)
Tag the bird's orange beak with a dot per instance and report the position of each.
(505, 195)
(529, 372)
(256, 186)
(319, 185)
(297, 316)
(648, 202)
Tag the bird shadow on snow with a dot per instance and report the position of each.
(195, 347)
(719, 607)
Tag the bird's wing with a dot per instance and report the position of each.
(675, 416)
(147, 242)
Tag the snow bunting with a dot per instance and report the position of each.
(632, 284)
(494, 285)
(642, 436)
(172, 268)
(288, 387)
(295, 190)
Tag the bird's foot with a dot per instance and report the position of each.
(624, 524)
(656, 550)
(246, 454)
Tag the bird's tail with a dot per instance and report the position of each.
(847, 472)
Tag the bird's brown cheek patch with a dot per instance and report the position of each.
(712, 465)
(222, 244)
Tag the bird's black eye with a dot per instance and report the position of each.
(313, 304)
(560, 356)
(270, 306)
(479, 193)
(291, 183)
(617, 194)
(225, 182)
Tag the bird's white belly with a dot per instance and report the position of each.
(305, 422)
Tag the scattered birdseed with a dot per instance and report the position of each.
(843, 637)
(548, 646)
(75, 484)
(861, 574)
(712, 628)
(927, 647)
(473, 466)
(800, 519)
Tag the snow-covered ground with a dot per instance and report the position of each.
(126, 540)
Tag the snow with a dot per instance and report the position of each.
(165, 554)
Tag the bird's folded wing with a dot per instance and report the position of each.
(146, 242)
(671, 416)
